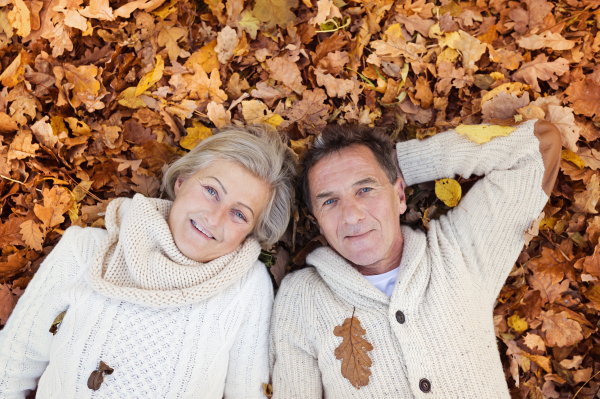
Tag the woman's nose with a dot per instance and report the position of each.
(214, 217)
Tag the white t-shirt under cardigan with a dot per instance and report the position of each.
(170, 327)
(384, 282)
(434, 338)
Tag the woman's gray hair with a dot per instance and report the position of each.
(258, 148)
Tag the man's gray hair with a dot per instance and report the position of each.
(258, 148)
(335, 138)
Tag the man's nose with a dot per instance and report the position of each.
(352, 212)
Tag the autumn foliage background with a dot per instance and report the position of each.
(97, 96)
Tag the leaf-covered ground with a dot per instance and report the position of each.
(96, 96)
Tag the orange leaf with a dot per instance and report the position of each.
(57, 201)
(32, 235)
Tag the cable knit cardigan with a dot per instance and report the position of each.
(170, 327)
(437, 326)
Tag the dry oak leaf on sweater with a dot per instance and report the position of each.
(353, 352)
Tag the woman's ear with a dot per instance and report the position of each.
(178, 184)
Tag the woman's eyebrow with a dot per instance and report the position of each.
(220, 184)
(246, 206)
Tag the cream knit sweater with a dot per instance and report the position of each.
(170, 327)
(448, 281)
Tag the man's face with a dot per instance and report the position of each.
(357, 207)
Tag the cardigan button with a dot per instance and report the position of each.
(425, 385)
(400, 317)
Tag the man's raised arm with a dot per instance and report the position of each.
(488, 224)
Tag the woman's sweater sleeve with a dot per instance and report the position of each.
(248, 365)
(489, 222)
(25, 341)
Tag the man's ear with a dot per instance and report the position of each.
(399, 187)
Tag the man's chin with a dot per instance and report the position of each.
(362, 257)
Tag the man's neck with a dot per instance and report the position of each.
(384, 265)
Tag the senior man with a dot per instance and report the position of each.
(425, 300)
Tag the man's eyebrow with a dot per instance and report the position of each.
(220, 184)
(323, 195)
(246, 206)
(366, 180)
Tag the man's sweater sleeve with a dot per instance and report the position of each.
(490, 221)
(25, 341)
(248, 365)
(294, 365)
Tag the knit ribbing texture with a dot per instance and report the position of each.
(168, 326)
(448, 281)
(139, 262)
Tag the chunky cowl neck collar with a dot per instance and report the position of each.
(139, 262)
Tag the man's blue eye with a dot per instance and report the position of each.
(329, 201)
(366, 190)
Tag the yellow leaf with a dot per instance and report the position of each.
(78, 128)
(518, 324)
(151, 77)
(515, 88)
(127, 99)
(20, 18)
(449, 54)
(570, 156)
(483, 133)
(13, 74)
(497, 75)
(206, 57)
(274, 120)
(275, 12)
(74, 211)
(542, 361)
(448, 191)
(196, 134)
(89, 31)
(32, 234)
(166, 9)
(58, 125)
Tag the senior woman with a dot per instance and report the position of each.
(171, 296)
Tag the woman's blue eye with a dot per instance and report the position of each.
(329, 201)
(211, 191)
(240, 215)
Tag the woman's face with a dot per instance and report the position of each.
(215, 209)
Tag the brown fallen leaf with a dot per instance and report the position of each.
(310, 112)
(97, 376)
(353, 352)
(541, 69)
(278, 270)
(560, 331)
(584, 96)
(7, 303)
(10, 233)
(587, 200)
(286, 72)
